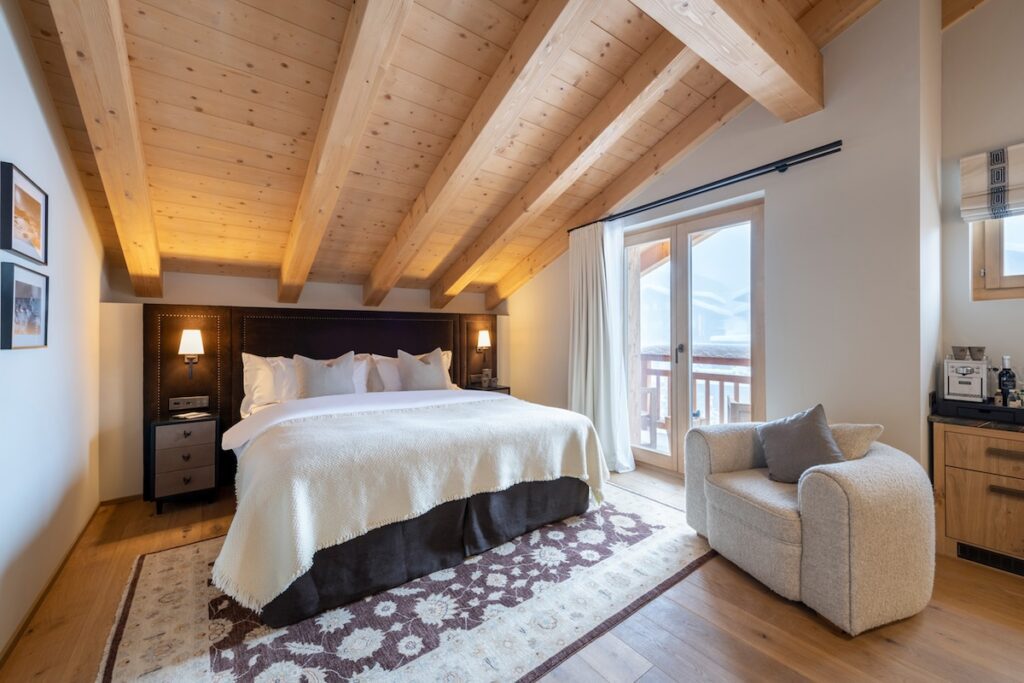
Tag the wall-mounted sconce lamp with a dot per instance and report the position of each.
(191, 348)
(483, 341)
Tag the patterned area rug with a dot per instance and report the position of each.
(514, 612)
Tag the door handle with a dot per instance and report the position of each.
(186, 433)
(1004, 453)
(187, 479)
(680, 348)
(186, 456)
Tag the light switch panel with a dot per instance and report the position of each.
(189, 402)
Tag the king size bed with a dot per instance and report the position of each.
(342, 496)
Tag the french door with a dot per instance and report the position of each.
(694, 329)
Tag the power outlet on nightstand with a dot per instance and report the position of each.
(189, 402)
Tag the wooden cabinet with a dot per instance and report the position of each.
(182, 459)
(979, 488)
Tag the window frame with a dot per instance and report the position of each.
(987, 279)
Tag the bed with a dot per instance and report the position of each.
(342, 497)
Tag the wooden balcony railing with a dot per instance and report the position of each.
(713, 389)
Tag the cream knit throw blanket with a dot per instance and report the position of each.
(308, 483)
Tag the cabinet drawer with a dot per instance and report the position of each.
(184, 458)
(985, 454)
(183, 481)
(985, 510)
(186, 434)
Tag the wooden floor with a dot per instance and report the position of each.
(718, 624)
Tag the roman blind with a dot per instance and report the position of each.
(992, 184)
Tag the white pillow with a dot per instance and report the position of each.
(267, 381)
(424, 372)
(328, 377)
(387, 371)
(384, 376)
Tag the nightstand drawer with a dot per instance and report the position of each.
(985, 454)
(186, 457)
(985, 510)
(184, 481)
(185, 434)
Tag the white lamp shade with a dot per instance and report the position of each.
(191, 343)
(483, 341)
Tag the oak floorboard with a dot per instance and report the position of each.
(718, 624)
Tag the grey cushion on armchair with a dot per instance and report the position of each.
(854, 540)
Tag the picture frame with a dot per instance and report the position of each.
(24, 307)
(24, 215)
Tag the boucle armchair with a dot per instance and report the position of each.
(854, 541)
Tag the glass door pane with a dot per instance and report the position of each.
(648, 347)
(720, 325)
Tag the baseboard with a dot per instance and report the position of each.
(8, 647)
(123, 499)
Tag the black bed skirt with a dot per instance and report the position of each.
(441, 538)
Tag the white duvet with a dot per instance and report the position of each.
(317, 472)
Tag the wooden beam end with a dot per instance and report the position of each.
(150, 286)
(438, 297)
(288, 292)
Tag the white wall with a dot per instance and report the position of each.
(982, 101)
(48, 415)
(538, 332)
(121, 417)
(844, 255)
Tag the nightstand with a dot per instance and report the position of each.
(182, 459)
(501, 389)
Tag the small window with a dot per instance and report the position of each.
(998, 259)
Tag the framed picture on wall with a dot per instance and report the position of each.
(24, 307)
(24, 214)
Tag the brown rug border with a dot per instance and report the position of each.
(608, 624)
(109, 658)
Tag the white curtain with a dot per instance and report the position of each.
(597, 371)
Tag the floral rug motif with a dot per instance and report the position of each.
(509, 613)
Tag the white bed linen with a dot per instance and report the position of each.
(317, 472)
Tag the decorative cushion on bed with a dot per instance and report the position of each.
(342, 375)
(424, 372)
(267, 381)
(796, 443)
(384, 375)
(854, 440)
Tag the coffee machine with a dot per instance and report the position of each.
(966, 380)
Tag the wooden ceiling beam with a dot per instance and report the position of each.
(721, 107)
(822, 23)
(657, 70)
(93, 41)
(955, 10)
(758, 46)
(371, 35)
(547, 35)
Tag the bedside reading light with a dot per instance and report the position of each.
(191, 348)
(483, 341)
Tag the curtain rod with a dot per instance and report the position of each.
(780, 166)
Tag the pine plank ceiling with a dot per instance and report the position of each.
(442, 144)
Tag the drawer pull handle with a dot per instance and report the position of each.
(186, 456)
(187, 479)
(1005, 453)
(187, 433)
(1006, 491)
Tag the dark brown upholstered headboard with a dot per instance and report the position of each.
(328, 334)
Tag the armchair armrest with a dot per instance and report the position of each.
(713, 449)
(868, 539)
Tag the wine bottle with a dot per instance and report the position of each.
(1007, 380)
